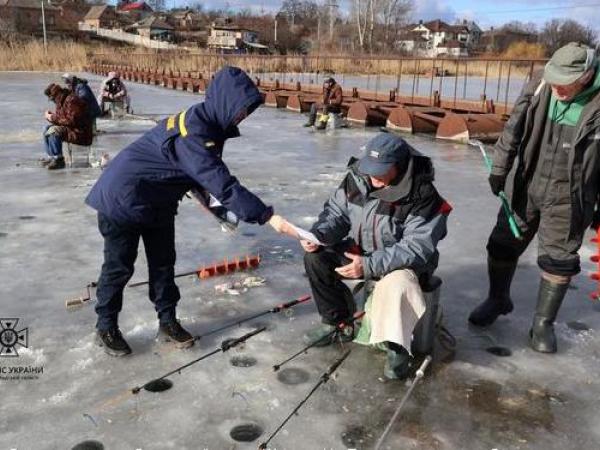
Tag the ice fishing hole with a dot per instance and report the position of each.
(293, 376)
(243, 361)
(356, 437)
(89, 445)
(499, 351)
(3, 234)
(578, 326)
(26, 217)
(158, 385)
(246, 432)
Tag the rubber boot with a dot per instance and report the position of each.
(498, 302)
(325, 335)
(397, 363)
(550, 297)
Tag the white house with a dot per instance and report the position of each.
(440, 38)
(232, 39)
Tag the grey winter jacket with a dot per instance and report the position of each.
(395, 227)
(522, 140)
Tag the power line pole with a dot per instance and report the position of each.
(44, 29)
(333, 5)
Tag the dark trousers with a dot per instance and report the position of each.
(334, 300)
(557, 252)
(120, 252)
(326, 109)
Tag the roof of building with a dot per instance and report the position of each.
(96, 12)
(437, 26)
(154, 23)
(135, 6)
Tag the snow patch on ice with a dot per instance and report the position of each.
(36, 355)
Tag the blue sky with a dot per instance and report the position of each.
(485, 12)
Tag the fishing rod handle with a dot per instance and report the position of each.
(357, 315)
(226, 345)
(287, 305)
(420, 373)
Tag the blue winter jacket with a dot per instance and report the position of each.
(144, 182)
(84, 92)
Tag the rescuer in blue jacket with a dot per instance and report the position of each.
(138, 194)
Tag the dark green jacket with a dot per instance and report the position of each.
(521, 140)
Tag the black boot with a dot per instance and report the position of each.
(550, 297)
(174, 332)
(113, 342)
(498, 302)
(56, 164)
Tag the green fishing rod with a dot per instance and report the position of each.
(512, 223)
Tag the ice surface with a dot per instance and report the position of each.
(476, 401)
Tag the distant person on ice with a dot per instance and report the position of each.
(70, 122)
(138, 194)
(113, 90)
(80, 87)
(330, 103)
(554, 135)
(382, 223)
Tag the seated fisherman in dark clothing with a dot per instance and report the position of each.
(70, 122)
(382, 223)
(331, 102)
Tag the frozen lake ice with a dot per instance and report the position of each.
(50, 249)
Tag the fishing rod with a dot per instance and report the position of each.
(340, 327)
(512, 223)
(324, 379)
(418, 376)
(221, 268)
(274, 310)
(225, 345)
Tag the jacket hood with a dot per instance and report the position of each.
(229, 92)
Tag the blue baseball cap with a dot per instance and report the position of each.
(383, 152)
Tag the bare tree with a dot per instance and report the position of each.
(557, 33)
(378, 21)
(157, 5)
(520, 27)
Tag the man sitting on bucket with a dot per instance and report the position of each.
(383, 223)
(331, 102)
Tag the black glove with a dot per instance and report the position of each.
(497, 183)
(595, 220)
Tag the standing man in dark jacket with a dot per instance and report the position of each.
(331, 102)
(70, 122)
(554, 133)
(383, 223)
(80, 87)
(138, 194)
